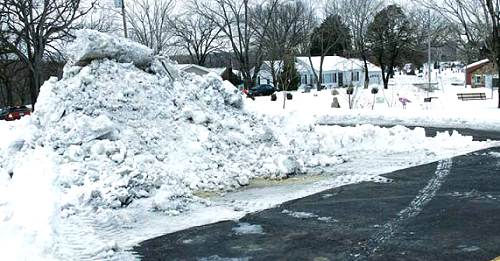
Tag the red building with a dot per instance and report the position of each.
(475, 72)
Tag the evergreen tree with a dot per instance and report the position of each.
(289, 78)
(332, 37)
(390, 37)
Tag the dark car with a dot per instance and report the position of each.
(262, 90)
(14, 113)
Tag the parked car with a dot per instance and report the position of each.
(14, 113)
(262, 90)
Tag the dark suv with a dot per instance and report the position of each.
(14, 113)
(262, 90)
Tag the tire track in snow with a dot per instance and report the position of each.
(376, 242)
(84, 237)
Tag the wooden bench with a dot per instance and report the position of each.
(429, 99)
(471, 96)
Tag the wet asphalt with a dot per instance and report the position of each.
(447, 210)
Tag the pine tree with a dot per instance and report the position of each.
(289, 78)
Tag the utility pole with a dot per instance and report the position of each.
(124, 16)
(429, 52)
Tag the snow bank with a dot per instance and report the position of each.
(122, 126)
(29, 209)
(91, 45)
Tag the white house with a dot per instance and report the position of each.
(337, 71)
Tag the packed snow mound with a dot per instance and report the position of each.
(91, 45)
(122, 132)
(122, 125)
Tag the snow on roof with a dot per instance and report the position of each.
(218, 71)
(185, 67)
(336, 63)
(484, 61)
(276, 64)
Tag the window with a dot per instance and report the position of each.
(327, 78)
(334, 78)
(355, 77)
(478, 79)
(304, 79)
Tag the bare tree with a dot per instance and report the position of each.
(197, 35)
(357, 15)
(100, 18)
(478, 22)
(31, 29)
(236, 20)
(494, 48)
(289, 29)
(149, 23)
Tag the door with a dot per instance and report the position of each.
(341, 79)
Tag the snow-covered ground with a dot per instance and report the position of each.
(446, 110)
(125, 148)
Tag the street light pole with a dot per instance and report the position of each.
(124, 16)
(429, 52)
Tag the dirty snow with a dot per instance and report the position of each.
(120, 149)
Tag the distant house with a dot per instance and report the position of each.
(337, 71)
(227, 73)
(193, 68)
(479, 73)
(265, 75)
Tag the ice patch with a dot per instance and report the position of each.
(247, 229)
(218, 258)
(300, 215)
(495, 154)
(327, 219)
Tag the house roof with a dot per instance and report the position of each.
(478, 63)
(189, 67)
(205, 70)
(218, 71)
(336, 63)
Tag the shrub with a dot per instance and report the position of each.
(274, 97)
(289, 96)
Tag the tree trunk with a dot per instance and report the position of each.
(273, 74)
(35, 83)
(313, 71)
(367, 76)
(320, 81)
(385, 78)
(9, 93)
(284, 99)
(498, 82)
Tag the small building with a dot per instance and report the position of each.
(477, 73)
(227, 74)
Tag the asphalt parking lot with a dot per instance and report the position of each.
(447, 210)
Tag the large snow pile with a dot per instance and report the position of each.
(123, 125)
